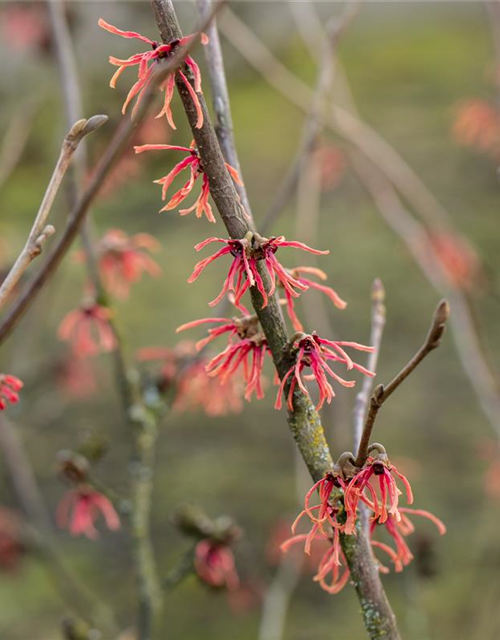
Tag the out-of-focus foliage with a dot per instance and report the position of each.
(409, 67)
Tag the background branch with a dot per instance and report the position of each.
(382, 393)
(220, 97)
(377, 330)
(39, 231)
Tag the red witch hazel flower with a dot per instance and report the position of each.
(315, 352)
(339, 495)
(325, 526)
(377, 466)
(246, 355)
(296, 274)
(478, 125)
(146, 70)
(193, 162)
(195, 388)
(214, 565)
(459, 260)
(123, 259)
(81, 326)
(246, 252)
(9, 388)
(80, 508)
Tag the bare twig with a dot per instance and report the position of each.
(382, 393)
(40, 231)
(377, 330)
(315, 117)
(342, 121)
(386, 168)
(72, 100)
(493, 9)
(277, 598)
(220, 98)
(467, 343)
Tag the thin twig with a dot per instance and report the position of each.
(40, 231)
(277, 598)
(493, 9)
(382, 393)
(467, 343)
(342, 121)
(386, 168)
(220, 98)
(314, 122)
(72, 100)
(377, 330)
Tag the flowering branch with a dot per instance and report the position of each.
(378, 323)
(382, 393)
(303, 419)
(117, 146)
(40, 231)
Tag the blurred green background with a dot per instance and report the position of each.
(409, 66)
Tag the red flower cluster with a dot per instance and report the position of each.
(193, 162)
(338, 494)
(9, 388)
(145, 62)
(214, 565)
(82, 326)
(389, 492)
(80, 508)
(315, 352)
(246, 355)
(459, 260)
(184, 373)
(246, 253)
(195, 388)
(25, 28)
(478, 125)
(123, 259)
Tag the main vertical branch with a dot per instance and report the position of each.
(304, 421)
